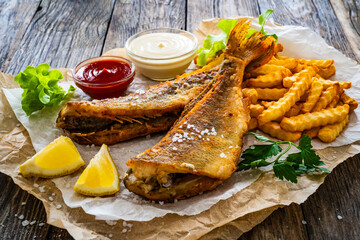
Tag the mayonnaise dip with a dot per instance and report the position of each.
(163, 53)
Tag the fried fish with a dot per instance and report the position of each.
(202, 148)
(155, 109)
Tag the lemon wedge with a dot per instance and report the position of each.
(59, 158)
(100, 177)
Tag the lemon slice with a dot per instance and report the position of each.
(100, 177)
(59, 158)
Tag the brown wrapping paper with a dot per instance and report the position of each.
(227, 219)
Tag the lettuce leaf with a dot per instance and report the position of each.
(214, 43)
(41, 88)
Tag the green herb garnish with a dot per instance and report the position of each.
(41, 88)
(214, 43)
(294, 164)
(262, 20)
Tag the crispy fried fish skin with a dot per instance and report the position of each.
(202, 148)
(139, 114)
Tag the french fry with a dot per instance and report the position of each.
(328, 83)
(313, 96)
(299, 68)
(252, 124)
(274, 130)
(278, 48)
(327, 72)
(348, 100)
(294, 110)
(326, 97)
(330, 132)
(289, 63)
(284, 104)
(289, 81)
(336, 99)
(318, 63)
(313, 132)
(266, 104)
(251, 94)
(256, 110)
(268, 80)
(270, 93)
(315, 119)
(265, 69)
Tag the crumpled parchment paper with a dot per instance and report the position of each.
(249, 204)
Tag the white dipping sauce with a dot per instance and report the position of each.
(162, 55)
(161, 45)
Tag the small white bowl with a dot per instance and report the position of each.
(162, 68)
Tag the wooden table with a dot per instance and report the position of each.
(64, 32)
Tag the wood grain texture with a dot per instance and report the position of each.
(216, 9)
(62, 33)
(318, 15)
(130, 17)
(17, 206)
(15, 16)
(349, 11)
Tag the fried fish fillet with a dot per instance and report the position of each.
(110, 121)
(202, 148)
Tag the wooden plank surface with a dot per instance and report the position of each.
(65, 32)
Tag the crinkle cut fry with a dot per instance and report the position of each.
(313, 132)
(256, 110)
(284, 104)
(265, 69)
(311, 62)
(251, 94)
(350, 101)
(315, 119)
(330, 132)
(313, 96)
(252, 124)
(274, 130)
(270, 93)
(268, 80)
(326, 97)
(327, 72)
(289, 81)
(290, 63)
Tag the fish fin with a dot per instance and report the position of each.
(255, 50)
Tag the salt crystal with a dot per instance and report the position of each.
(42, 189)
(110, 235)
(23, 203)
(230, 146)
(124, 224)
(161, 202)
(222, 136)
(124, 230)
(174, 148)
(21, 217)
(110, 222)
(53, 194)
(25, 223)
(41, 224)
(222, 155)
(32, 222)
(58, 206)
(303, 222)
(339, 217)
(51, 198)
(36, 185)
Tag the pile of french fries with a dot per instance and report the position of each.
(291, 97)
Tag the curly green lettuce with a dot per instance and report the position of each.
(41, 88)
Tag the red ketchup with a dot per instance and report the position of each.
(104, 77)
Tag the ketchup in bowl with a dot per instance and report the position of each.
(104, 77)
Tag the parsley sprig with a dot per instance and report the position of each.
(262, 20)
(295, 164)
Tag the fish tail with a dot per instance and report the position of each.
(254, 50)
